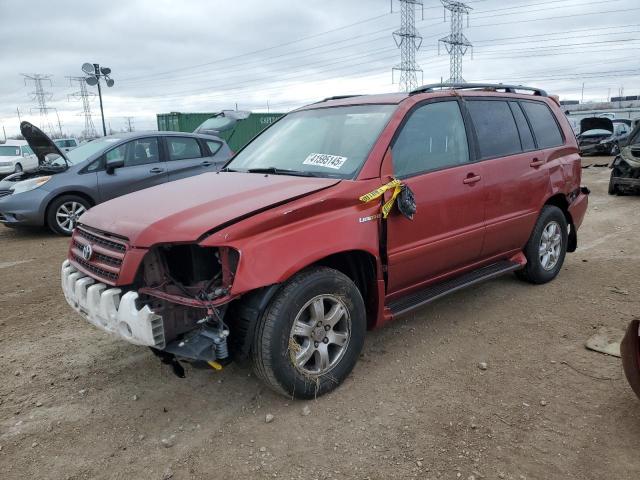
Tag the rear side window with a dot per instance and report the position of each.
(526, 138)
(213, 146)
(434, 137)
(182, 148)
(495, 128)
(544, 125)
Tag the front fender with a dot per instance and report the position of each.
(276, 244)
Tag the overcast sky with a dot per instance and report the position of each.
(208, 55)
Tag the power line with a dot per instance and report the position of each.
(41, 97)
(408, 40)
(456, 43)
(83, 95)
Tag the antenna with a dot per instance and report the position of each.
(408, 40)
(455, 43)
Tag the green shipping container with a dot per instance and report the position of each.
(236, 138)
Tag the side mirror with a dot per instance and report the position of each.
(113, 164)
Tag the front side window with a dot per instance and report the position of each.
(182, 148)
(323, 142)
(545, 127)
(495, 128)
(137, 152)
(433, 137)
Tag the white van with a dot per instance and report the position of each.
(16, 156)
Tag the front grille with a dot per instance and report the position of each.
(106, 258)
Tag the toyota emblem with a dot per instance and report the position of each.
(87, 252)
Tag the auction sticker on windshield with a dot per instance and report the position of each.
(325, 160)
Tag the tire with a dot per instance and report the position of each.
(73, 205)
(613, 189)
(281, 357)
(18, 168)
(615, 150)
(551, 219)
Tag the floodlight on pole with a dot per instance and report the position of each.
(94, 73)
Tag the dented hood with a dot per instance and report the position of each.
(185, 210)
(596, 123)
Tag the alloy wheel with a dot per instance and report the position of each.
(550, 245)
(67, 215)
(320, 335)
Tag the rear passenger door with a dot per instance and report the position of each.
(516, 177)
(142, 168)
(186, 157)
(431, 155)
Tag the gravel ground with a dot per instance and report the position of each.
(76, 403)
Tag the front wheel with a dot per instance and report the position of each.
(18, 168)
(64, 212)
(546, 248)
(310, 336)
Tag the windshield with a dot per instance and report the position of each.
(9, 151)
(84, 151)
(326, 142)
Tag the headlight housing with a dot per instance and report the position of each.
(27, 185)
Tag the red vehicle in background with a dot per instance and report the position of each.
(338, 218)
(630, 350)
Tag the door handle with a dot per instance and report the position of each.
(156, 170)
(471, 179)
(206, 163)
(535, 163)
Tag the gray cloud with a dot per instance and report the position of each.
(153, 46)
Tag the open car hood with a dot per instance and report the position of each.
(40, 143)
(185, 210)
(596, 123)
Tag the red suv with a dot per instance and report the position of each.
(338, 218)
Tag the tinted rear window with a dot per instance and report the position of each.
(495, 128)
(526, 138)
(545, 127)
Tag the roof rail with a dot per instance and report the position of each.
(338, 97)
(467, 86)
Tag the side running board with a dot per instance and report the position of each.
(429, 294)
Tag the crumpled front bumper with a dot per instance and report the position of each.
(106, 308)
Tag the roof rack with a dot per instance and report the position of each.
(467, 86)
(338, 97)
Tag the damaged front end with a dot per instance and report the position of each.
(630, 351)
(176, 305)
(625, 171)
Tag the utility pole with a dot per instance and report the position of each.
(408, 40)
(456, 43)
(130, 127)
(84, 96)
(41, 96)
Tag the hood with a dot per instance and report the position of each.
(40, 143)
(596, 123)
(185, 210)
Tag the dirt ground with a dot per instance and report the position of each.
(76, 403)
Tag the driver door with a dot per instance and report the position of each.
(431, 155)
(143, 168)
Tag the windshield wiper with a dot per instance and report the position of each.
(281, 171)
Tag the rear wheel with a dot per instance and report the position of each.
(18, 168)
(546, 248)
(311, 334)
(64, 212)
